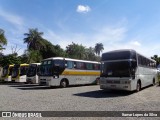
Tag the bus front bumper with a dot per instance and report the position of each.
(45, 82)
(116, 87)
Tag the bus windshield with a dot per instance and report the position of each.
(116, 69)
(23, 70)
(51, 67)
(5, 71)
(46, 68)
(32, 70)
(15, 72)
(10, 70)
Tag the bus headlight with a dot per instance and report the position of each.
(55, 76)
(126, 82)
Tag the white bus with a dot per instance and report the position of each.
(7, 72)
(32, 73)
(19, 72)
(127, 70)
(59, 71)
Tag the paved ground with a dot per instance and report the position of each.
(21, 97)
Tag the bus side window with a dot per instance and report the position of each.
(70, 65)
(80, 65)
(96, 66)
(89, 66)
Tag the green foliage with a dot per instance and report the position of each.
(34, 39)
(59, 51)
(91, 54)
(3, 40)
(10, 59)
(33, 56)
(99, 48)
(157, 59)
(76, 51)
(23, 58)
(48, 50)
(81, 52)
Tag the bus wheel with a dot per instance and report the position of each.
(138, 86)
(153, 82)
(63, 83)
(97, 81)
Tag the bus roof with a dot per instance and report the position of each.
(121, 50)
(11, 65)
(131, 50)
(35, 63)
(24, 64)
(70, 59)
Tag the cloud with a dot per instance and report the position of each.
(14, 34)
(112, 38)
(106, 35)
(109, 34)
(83, 9)
(135, 43)
(11, 18)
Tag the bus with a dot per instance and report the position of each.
(32, 74)
(127, 70)
(7, 72)
(19, 72)
(59, 71)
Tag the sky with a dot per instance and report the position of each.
(117, 24)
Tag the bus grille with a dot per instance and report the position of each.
(43, 81)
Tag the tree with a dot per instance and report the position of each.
(3, 40)
(59, 51)
(157, 59)
(34, 39)
(33, 56)
(98, 48)
(91, 54)
(76, 51)
(14, 49)
(9, 59)
(48, 50)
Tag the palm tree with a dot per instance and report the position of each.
(3, 40)
(34, 39)
(98, 48)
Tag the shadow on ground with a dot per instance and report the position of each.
(41, 87)
(104, 93)
(108, 93)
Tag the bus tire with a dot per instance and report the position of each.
(63, 83)
(97, 81)
(138, 88)
(153, 82)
